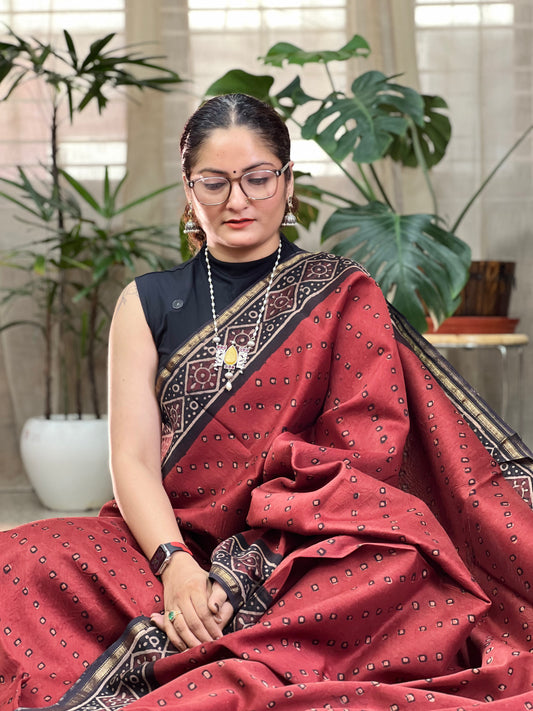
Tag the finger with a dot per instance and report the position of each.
(161, 622)
(216, 599)
(158, 619)
(172, 628)
(226, 613)
(191, 628)
(208, 622)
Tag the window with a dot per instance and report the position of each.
(478, 56)
(25, 117)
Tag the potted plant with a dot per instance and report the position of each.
(77, 251)
(418, 260)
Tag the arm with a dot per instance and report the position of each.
(135, 433)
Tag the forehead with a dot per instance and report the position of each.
(233, 149)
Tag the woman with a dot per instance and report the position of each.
(309, 512)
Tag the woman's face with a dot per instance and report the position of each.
(239, 229)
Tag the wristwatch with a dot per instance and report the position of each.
(161, 557)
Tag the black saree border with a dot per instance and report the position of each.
(105, 683)
(208, 330)
(499, 439)
(190, 391)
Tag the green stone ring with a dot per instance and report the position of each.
(173, 614)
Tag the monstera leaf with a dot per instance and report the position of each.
(415, 261)
(365, 123)
(237, 81)
(286, 52)
(433, 136)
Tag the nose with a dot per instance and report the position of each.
(237, 197)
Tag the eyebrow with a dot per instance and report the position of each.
(245, 170)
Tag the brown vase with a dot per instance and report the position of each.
(488, 291)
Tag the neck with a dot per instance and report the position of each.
(230, 253)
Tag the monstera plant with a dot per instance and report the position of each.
(420, 264)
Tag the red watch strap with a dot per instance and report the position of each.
(181, 546)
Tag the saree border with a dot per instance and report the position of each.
(498, 438)
(222, 319)
(108, 674)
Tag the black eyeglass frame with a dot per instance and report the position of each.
(278, 173)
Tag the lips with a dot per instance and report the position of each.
(238, 224)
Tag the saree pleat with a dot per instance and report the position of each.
(367, 513)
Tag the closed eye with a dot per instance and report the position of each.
(213, 184)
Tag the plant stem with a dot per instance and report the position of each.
(326, 67)
(488, 178)
(91, 359)
(422, 163)
(78, 385)
(380, 186)
(62, 276)
(368, 196)
(48, 363)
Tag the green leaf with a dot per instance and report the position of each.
(39, 265)
(296, 95)
(109, 203)
(307, 213)
(32, 200)
(82, 192)
(360, 124)
(5, 326)
(434, 134)
(15, 81)
(148, 196)
(238, 81)
(71, 49)
(95, 49)
(365, 123)
(290, 53)
(415, 261)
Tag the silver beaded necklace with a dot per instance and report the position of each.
(233, 358)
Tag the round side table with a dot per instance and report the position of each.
(502, 342)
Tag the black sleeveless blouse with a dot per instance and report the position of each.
(176, 301)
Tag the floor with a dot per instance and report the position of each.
(21, 505)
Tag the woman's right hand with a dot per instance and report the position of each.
(200, 608)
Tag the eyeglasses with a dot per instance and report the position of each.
(256, 185)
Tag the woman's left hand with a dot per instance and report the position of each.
(218, 605)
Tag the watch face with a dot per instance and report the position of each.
(158, 559)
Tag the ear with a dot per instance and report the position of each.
(289, 185)
(186, 188)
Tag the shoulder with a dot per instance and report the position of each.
(166, 276)
(159, 286)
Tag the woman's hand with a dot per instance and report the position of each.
(200, 609)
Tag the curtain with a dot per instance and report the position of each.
(155, 119)
(389, 28)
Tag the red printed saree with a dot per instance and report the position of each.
(367, 513)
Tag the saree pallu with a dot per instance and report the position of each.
(367, 513)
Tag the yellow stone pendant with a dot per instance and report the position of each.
(230, 357)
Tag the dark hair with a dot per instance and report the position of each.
(226, 111)
(234, 110)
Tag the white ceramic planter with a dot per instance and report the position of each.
(67, 461)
